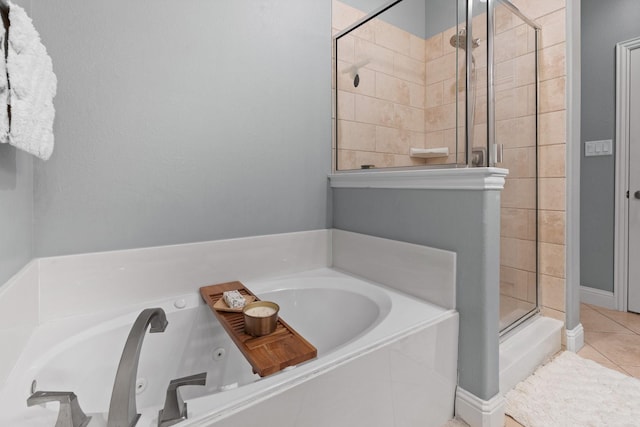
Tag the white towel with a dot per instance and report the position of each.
(33, 87)
(4, 88)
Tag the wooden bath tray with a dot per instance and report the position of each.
(267, 354)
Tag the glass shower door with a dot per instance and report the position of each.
(515, 117)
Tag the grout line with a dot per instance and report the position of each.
(606, 358)
(595, 308)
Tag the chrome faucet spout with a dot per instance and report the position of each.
(122, 409)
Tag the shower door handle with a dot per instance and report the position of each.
(637, 194)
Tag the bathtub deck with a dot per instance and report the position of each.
(267, 354)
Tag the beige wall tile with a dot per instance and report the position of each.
(506, 45)
(434, 139)
(418, 139)
(553, 28)
(416, 95)
(552, 259)
(552, 226)
(552, 62)
(552, 161)
(518, 132)
(403, 161)
(434, 94)
(480, 135)
(390, 140)
(526, 37)
(346, 49)
(537, 8)
(519, 193)
(441, 68)
(552, 95)
(392, 89)
(504, 103)
(553, 128)
(518, 223)
(441, 117)
(346, 105)
(504, 19)
(433, 47)
(375, 111)
(346, 160)
(417, 48)
(356, 136)
(552, 194)
(409, 69)
(376, 57)
(525, 70)
(450, 90)
(521, 162)
(409, 118)
(518, 254)
(525, 100)
(552, 292)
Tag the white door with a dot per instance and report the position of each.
(634, 184)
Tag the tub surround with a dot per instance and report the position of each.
(19, 315)
(421, 271)
(103, 286)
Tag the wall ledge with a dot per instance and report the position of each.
(424, 179)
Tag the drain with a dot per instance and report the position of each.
(219, 354)
(141, 385)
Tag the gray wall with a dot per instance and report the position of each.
(466, 222)
(16, 205)
(184, 122)
(604, 23)
(423, 18)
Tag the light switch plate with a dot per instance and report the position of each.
(598, 148)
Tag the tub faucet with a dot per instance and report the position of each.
(69, 415)
(175, 409)
(122, 409)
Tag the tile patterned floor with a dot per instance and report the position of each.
(612, 338)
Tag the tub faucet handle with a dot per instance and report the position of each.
(175, 409)
(69, 415)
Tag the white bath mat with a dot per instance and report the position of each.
(572, 391)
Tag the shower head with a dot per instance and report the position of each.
(459, 40)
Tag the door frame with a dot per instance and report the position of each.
(621, 217)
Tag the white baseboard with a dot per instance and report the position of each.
(597, 297)
(478, 412)
(575, 338)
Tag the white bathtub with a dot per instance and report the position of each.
(384, 359)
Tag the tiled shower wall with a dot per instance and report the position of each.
(383, 117)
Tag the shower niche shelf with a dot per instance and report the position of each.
(429, 153)
(267, 354)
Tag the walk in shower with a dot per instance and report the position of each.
(448, 84)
